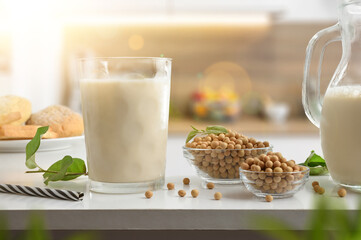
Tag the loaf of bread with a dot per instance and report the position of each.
(14, 110)
(15, 132)
(62, 120)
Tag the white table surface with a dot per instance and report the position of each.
(165, 210)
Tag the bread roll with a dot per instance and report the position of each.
(13, 132)
(61, 120)
(14, 110)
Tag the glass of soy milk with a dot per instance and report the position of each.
(125, 103)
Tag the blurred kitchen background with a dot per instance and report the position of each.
(237, 63)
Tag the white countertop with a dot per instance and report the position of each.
(165, 210)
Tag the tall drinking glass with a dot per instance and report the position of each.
(125, 104)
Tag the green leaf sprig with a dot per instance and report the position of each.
(65, 169)
(316, 164)
(209, 130)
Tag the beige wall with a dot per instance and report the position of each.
(272, 56)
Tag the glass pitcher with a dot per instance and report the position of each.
(338, 112)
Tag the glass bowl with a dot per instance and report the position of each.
(279, 185)
(220, 166)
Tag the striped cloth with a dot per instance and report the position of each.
(42, 192)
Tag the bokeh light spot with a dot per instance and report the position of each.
(136, 42)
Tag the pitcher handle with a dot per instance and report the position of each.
(311, 99)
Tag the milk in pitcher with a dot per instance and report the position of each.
(341, 133)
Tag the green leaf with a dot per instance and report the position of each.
(191, 135)
(33, 146)
(209, 130)
(195, 129)
(214, 132)
(66, 169)
(62, 169)
(218, 129)
(318, 170)
(316, 164)
(314, 160)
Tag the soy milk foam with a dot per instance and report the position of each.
(341, 133)
(126, 123)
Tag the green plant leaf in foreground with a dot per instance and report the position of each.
(275, 228)
(36, 229)
(320, 219)
(33, 146)
(84, 236)
(64, 170)
(329, 220)
(4, 226)
(316, 164)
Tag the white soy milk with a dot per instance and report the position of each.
(126, 127)
(341, 133)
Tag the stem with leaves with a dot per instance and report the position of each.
(65, 169)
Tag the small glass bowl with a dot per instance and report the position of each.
(279, 185)
(220, 166)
